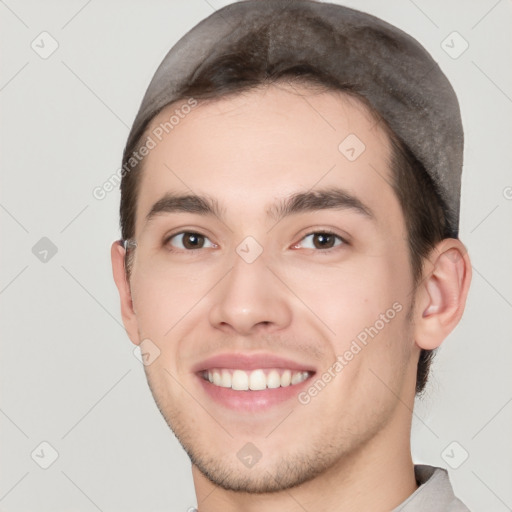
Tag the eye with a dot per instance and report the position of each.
(320, 240)
(189, 240)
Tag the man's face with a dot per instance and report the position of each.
(301, 266)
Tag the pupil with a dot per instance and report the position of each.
(323, 241)
(193, 241)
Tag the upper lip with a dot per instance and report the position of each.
(253, 361)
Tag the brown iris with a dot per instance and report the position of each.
(193, 240)
(323, 240)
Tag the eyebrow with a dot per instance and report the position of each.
(327, 199)
(171, 203)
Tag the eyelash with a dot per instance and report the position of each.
(343, 241)
(168, 239)
(325, 233)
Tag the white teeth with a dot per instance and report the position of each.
(216, 378)
(255, 380)
(226, 379)
(240, 380)
(286, 378)
(299, 377)
(273, 380)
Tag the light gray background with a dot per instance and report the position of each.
(68, 373)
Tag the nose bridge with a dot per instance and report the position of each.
(249, 298)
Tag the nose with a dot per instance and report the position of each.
(250, 299)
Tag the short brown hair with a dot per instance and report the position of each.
(425, 213)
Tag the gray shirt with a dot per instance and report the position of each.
(434, 494)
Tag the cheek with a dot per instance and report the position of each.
(352, 296)
(163, 296)
(364, 305)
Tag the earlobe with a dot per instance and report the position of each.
(441, 296)
(117, 253)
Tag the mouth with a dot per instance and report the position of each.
(255, 380)
(252, 382)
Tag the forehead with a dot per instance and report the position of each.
(249, 149)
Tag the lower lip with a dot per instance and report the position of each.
(252, 401)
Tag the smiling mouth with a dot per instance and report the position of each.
(254, 380)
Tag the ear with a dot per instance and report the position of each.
(441, 296)
(117, 253)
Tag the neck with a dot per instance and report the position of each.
(379, 476)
